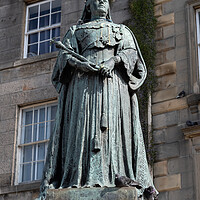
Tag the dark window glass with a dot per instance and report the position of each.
(56, 32)
(44, 21)
(55, 18)
(44, 47)
(33, 24)
(45, 8)
(32, 50)
(32, 38)
(56, 6)
(33, 12)
(44, 35)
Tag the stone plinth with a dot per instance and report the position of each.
(125, 193)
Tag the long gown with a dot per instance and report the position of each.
(97, 132)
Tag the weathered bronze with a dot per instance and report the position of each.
(97, 131)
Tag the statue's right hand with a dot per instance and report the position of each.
(84, 66)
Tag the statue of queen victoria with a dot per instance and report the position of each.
(97, 133)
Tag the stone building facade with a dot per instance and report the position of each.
(25, 88)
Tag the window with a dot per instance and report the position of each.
(42, 23)
(198, 33)
(36, 125)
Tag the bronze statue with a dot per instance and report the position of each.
(97, 132)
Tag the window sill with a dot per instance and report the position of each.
(23, 187)
(35, 59)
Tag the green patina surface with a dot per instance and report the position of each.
(97, 131)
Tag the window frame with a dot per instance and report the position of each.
(38, 30)
(197, 12)
(19, 146)
(193, 57)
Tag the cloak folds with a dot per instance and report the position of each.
(82, 152)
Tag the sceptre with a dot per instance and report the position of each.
(60, 45)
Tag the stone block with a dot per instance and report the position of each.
(164, 95)
(7, 125)
(182, 194)
(7, 112)
(5, 179)
(181, 53)
(165, 69)
(165, 82)
(167, 151)
(165, 120)
(158, 10)
(168, 7)
(180, 165)
(159, 33)
(169, 106)
(165, 45)
(161, 1)
(169, 56)
(159, 58)
(160, 169)
(168, 183)
(187, 179)
(93, 193)
(159, 136)
(180, 27)
(168, 31)
(163, 196)
(185, 148)
(165, 20)
(181, 40)
(173, 134)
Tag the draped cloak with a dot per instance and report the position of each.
(97, 131)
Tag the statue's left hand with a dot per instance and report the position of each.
(107, 67)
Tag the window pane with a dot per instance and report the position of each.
(55, 18)
(26, 172)
(40, 166)
(56, 6)
(28, 117)
(44, 21)
(53, 46)
(32, 50)
(45, 8)
(33, 12)
(45, 35)
(28, 134)
(45, 47)
(41, 151)
(33, 24)
(56, 32)
(27, 154)
(41, 132)
(32, 38)
(42, 115)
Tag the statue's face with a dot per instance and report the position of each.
(99, 7)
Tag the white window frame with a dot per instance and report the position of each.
(198, 35)
(19, 156)
(50, 27)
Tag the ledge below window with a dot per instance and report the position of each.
(20, 188)
(191, 132)
(35, 59)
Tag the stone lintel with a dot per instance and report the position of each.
(125, 193)
(191, 131)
